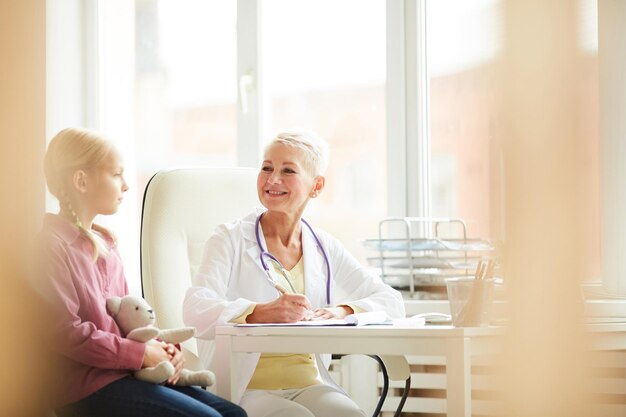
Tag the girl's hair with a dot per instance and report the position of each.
(314, 147)
(70, 150)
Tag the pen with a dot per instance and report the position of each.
(282, 290)
(275, 284)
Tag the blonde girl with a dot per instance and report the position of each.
(82, 269)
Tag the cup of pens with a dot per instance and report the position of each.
(471, 298)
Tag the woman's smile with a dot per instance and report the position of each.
(275, 193)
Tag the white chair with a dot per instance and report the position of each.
(181, 209)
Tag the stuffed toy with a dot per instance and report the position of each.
(135, 318)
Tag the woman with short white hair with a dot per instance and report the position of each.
(273, 267)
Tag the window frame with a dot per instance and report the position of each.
(408, 138)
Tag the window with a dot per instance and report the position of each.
(366, 75)
(185, 90)
(323, 77)
(464, 40)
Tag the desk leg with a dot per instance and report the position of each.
(223, 356)
(459, 378)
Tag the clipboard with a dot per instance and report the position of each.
(356, 319)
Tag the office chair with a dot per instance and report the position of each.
(181, 209)
(395, 368)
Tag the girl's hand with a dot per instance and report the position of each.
(288, 308)
(178, 360)
(154, 354)
(331, 313)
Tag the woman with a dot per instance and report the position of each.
(82, 269)
(232, 285)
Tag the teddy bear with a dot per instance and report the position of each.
(135, 318)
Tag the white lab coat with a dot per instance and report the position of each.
(231, 278)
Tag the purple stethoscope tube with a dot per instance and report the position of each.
(265, 253)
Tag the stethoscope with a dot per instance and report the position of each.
(266, 254)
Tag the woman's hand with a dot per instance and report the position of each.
(331, 313)
(288, 308)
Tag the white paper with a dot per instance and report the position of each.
(357, 319)
(369, 317)
(420, 320)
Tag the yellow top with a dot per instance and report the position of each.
(284, 370)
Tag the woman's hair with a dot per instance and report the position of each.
(70, 150)
(315, 148)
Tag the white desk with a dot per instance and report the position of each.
(457, 345)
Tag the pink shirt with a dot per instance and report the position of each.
(90, 346)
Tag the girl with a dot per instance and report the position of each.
(83, 268)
